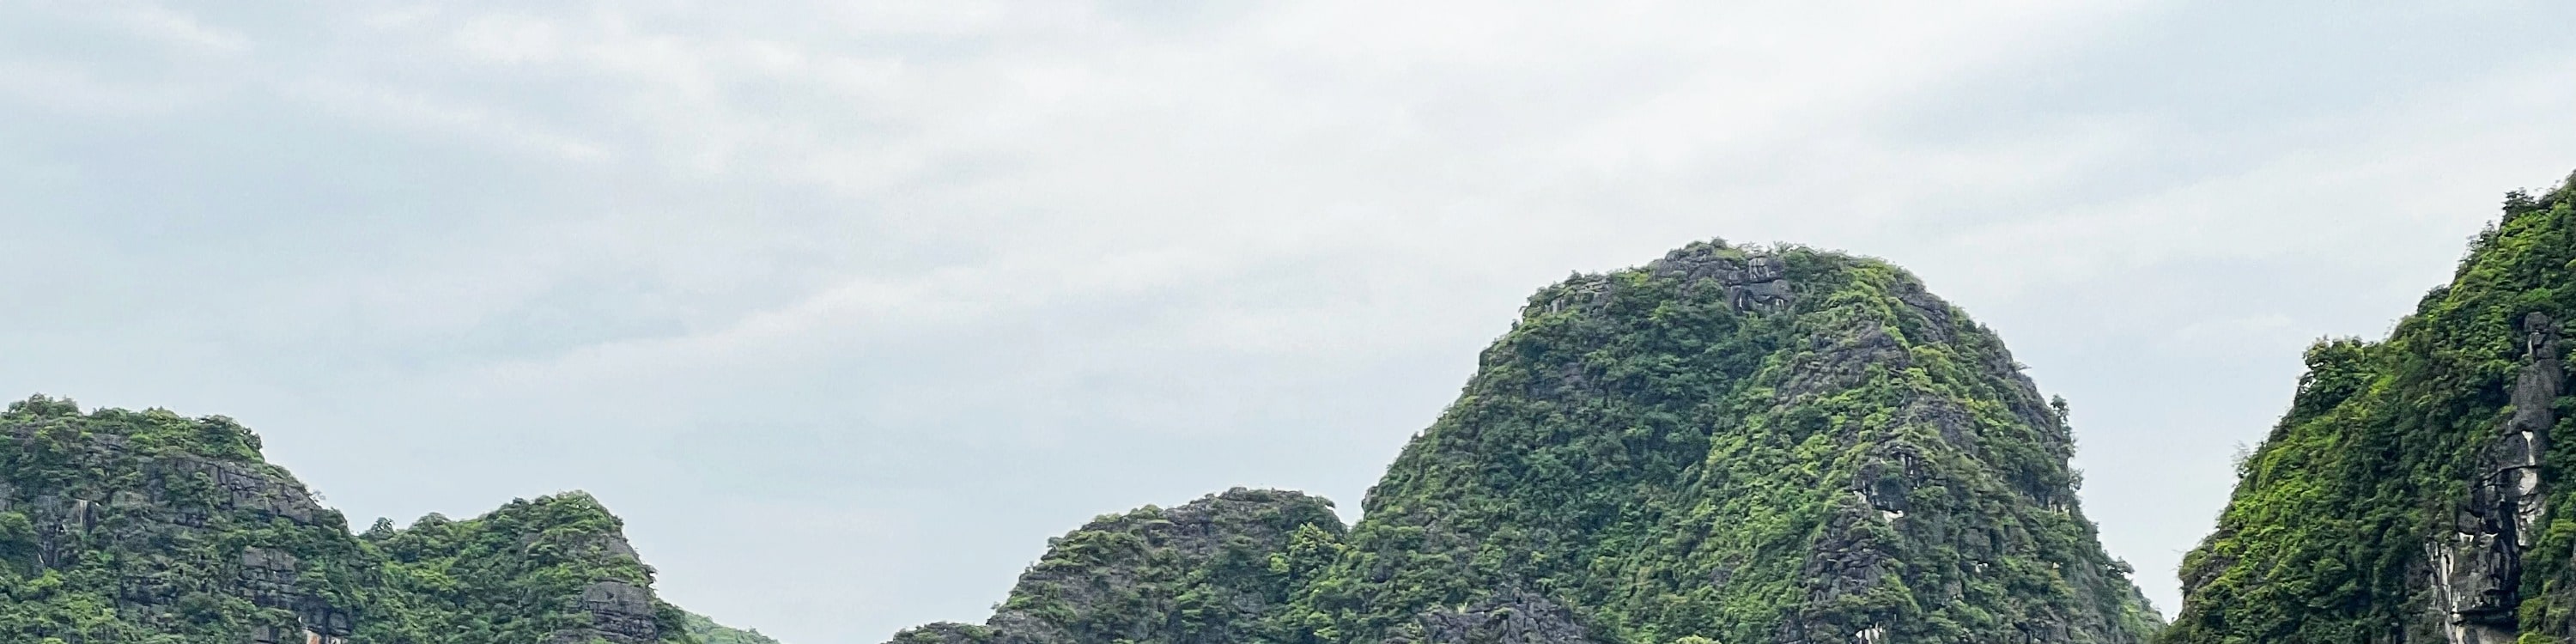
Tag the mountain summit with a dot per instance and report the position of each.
(1729, 444)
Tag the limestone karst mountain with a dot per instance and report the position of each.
(2413, 493)
(147, 527)
(1729, 444)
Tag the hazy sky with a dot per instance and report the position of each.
(847, 307)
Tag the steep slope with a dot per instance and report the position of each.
(1727, 445)
(122, 526)
(2412, 493)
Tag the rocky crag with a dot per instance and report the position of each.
(2413, 493)
(1729, 444)
(120, 526)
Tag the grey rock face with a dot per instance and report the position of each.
(172, 500)
(1507, 618)
(2476, 571)
(1849, 559)
(267, 578)
(619, 612)
(1755, 282)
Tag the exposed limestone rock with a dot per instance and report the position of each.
(1753, 281)
(161, 504)
(2477, 571)
(619, 612)
(1888, 479)
(1508, 618)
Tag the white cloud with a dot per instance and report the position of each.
(71, 90)
(508, 39)
(171, 26)
(432, 115)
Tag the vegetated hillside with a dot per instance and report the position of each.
(1729, 444)
(1221, 569)
(709, 632)
(120, 526)
(2412, 493)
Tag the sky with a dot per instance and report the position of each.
(847, 307)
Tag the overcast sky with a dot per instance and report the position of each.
(847, 307)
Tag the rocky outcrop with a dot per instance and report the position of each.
(2477, 569)
(1752, 281)
(114, 485)
(1510, 617)
(619, 612)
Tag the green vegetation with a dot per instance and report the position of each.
(2398, 455)
(709, 632)
(1727, 445)
(148, 527)
(1217, 570)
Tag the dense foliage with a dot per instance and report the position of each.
(2343, 522)
(709, 632)
(1218, 570)
(508, 575)
(1727, 445)
(120, 526)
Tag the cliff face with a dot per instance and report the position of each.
(121, 526)
(1726, 445)
(118, 526)
(2412, 493)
